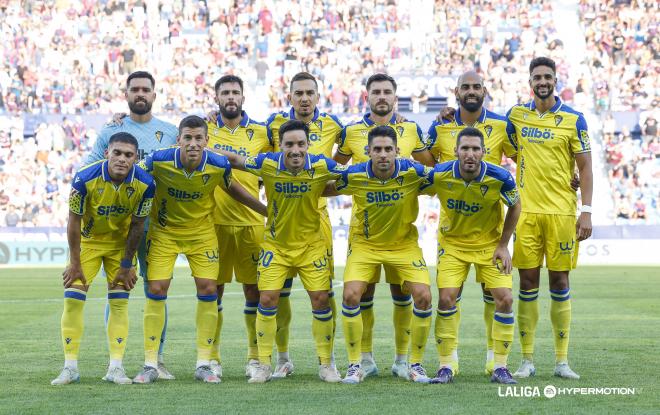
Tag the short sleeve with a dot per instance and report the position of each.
(77, 196)
(581, 143)
(511, 133)
(255, 163)
(508, 191)
(419, 141)
(143, 208)
(343, 145)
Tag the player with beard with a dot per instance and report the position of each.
(381, 89)
(470, 93)
(152, 134)
(551, 138)
(240, 230)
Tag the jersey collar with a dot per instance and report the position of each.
(292, 114)
(179, 165)
(482, 116)
(369, 122)
(282, 167)
(555, 108)
(245, 120)
(105, 171)
(480, 178)
(372, 175)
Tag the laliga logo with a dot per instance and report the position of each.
(379, 197)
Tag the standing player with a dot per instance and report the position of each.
(471, 232)
(108, 205)
(324, 132)
(151, 134)
(470, 93)
(551, 139)
(182, 222)
(294, 181)
(239, 229)
(382, 98)
(383, 232)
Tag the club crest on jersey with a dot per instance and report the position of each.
(364, 132)
(484, 189)
(129, 191)
(453, 134)
(400, 180)
(319, 124)
(159, 135)
(524, 116)
(558, 120)
(205, 178)
(311, 172)
(399, 130)
(250, 133)
(488, 129)
(450, 186)
(100, 191)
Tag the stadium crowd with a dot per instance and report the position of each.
(73, 57)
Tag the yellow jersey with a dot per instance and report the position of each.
(248, 139)
(472, 214)
(107, 208)
(184, 201)
(546, 145)
(293, 216)
(384, 211)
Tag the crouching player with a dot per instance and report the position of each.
(383, 233)
(109, 202)
(470, 191)
(186, 178)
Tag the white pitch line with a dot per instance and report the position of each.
(57, 300)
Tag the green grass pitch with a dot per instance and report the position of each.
(615, 342)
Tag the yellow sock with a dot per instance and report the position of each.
(207, 322)
(333, 307)
(458, 315)
(420, 327)
(402, 318)
(215, 352)
(250, 315)
(266, 327)
(322, 333)
(489, 312)
(73, 322)
(502, 329)
(117, 323)
(352, 322)
(368, 321)
(284, 318)
(446, 332)
(528, 318)
(560, 316)
(154, 320)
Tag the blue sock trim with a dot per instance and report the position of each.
(75, 295)
(208, 298)
(267, 311)
(156, 297)
(118, 295)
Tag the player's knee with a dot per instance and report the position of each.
(369, 292)
(558, 280)
(423, 300)
(269, 298)
(447, 300)
(504, 302)
(319, 300)
(529, 279)
(351, 297)
(251, 292)
(158, 288)
(221, 290)
(395, 290)
(206, 287)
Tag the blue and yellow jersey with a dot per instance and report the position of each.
(441, 140)
(384, 211)
(106, 208)
(293, 217)
(472, 214)
(151, 136)
(324, 130)
(248, 139)
(184, 202)
(546, 145)
(354, 138)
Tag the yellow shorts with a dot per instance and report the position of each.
(309, 262)
(239, 248)
(202, 255)
(454, 265)
(91, 260)
(553, 236)
(326, 233)
(363, 264)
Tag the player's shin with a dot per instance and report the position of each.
(117, 325)
(154, 319)
(206, 319)
(502, 330)
(266, 327)
(402, 317)
(489, 312)
(72, 324)
(446, 334)
(368, 321)
(352, 324)
(284, 319)
(560, 316)
(420, 327)
(215, 353)
(322, 331)
(528, 317)
(250, 317)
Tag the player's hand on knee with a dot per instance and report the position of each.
(71, 273)
(502, 259)
(583, 226)
(125, 277)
